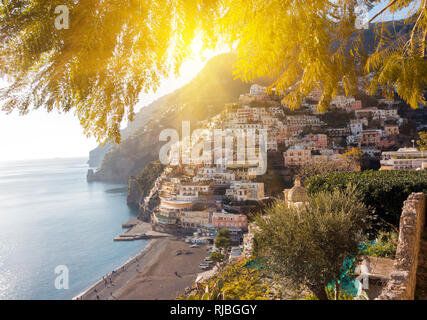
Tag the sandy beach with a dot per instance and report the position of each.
(157, 273)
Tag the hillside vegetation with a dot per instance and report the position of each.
(382, 191)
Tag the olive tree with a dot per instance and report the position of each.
(308, 245)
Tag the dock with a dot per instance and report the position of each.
(139, 230)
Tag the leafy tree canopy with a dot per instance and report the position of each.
(113, 50)
(422, 142)
(217, 256)
(383, 192)
(223, 239)
(234, 282)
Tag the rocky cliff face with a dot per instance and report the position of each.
(143, 190)
(134, 195)
(144, 184)
(129, 158)
(97, 154)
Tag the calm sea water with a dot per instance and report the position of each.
(50, 216)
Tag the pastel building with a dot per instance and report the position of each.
(244, 191)
(257, 90)
(303, 120)
(195, 219)
(404, 164)
(391, 130)
(296, 157)
(356, 126)
(370, 138)
(320, 141)
(169, 211)
(403, 153)
(404, 159)
(230, 221)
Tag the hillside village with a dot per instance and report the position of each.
(200, 199)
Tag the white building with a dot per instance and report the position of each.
(404, 159)
(257, 90)
(356, 126)
(403, 152)
(404, 164)
(243, 191)
(342, 101)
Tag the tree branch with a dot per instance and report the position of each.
(382, 10)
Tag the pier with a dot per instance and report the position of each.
(139, 230)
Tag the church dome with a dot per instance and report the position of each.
(297, 193)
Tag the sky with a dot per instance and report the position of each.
(43, 135)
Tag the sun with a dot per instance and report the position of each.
(198, 58)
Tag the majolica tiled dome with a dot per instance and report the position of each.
(297, 193)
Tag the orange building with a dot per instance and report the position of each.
(229, 221)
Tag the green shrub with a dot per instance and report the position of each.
(384, 247)
(217, 256)
(223, 238)
(382, 191)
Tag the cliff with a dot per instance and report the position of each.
(140, 186)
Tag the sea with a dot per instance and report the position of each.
(57, 230)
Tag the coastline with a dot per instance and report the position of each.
(157, 272)
(89, 292)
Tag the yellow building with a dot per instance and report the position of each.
(195, 219)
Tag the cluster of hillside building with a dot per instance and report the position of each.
(207, 197)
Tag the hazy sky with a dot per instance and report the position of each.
(42, 135)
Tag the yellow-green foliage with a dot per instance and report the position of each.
(422, 142)
(114, 50)
(234, 282)
(384, 247)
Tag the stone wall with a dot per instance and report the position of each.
(403, 276)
